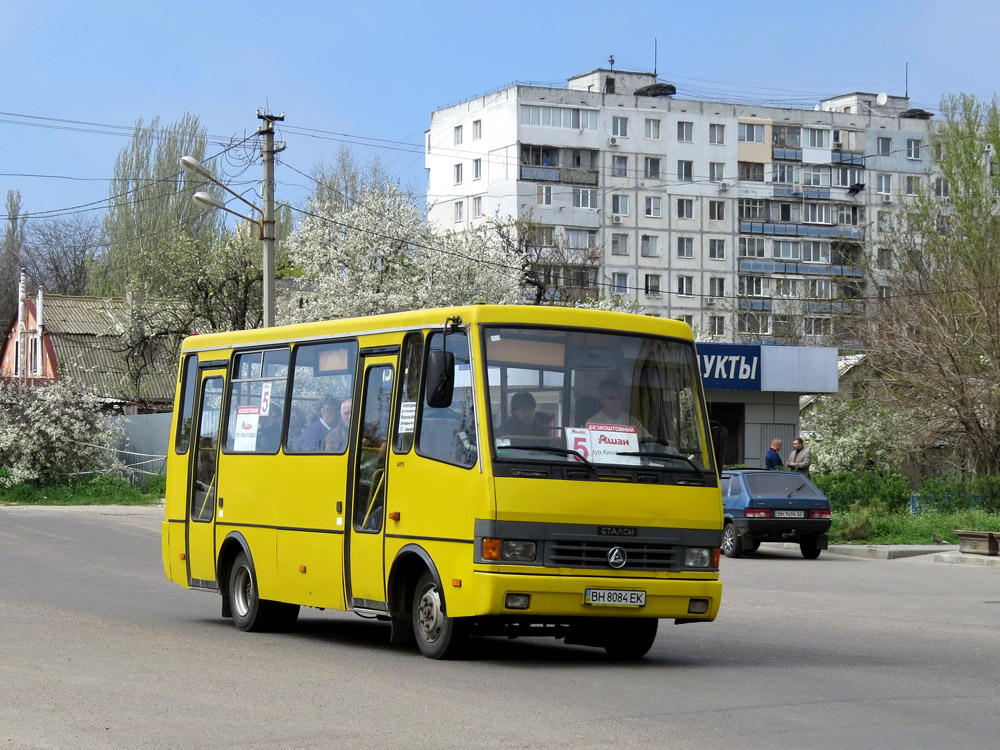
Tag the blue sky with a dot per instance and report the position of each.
(370, 74)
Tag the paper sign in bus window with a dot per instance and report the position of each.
(247, 418)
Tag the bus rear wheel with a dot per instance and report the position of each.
(438, 636)
(250, 612)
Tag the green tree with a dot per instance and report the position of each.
(151, 206)
(10, 257)
(934, 338)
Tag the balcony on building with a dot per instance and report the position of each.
(573, 166)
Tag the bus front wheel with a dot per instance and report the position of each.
(438, 636)
(627, 640)
(250, 612)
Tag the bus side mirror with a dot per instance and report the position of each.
(440, 379)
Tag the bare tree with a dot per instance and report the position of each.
(57, 252)
(10, 257)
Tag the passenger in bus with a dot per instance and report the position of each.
(313, 437)
(522, 420)
(269, 431)
(612, 393)
(546, 423)
(336, 439)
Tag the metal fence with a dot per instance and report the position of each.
(144, 449)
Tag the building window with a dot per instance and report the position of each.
(689, 319)
(716, 325)
(685, 208)
(912, 148)
(818, 289)
(458, 135)
(685, 131)
(816, 138)
(650, 246)
(652, 285)
(754, 324)
(585, 198)
(912, 184)
(619, 244)
(685, 170)
(751, 171)
(652, 207)
(717, 249)
(581, 239)
(619, 283)
(685, 247)
(752, 286)
(477, 129)
(544, 236)
(458, 174)
(785, 213)
(716, 286)
(459, 210)
(885, 184)
(619, 166)
(785, 174)
(786, 136)
(817, 213)
(477, 169)
(941, 187)
(817, 326)
(785, 249)
(815, 252)
(717, 134)
(751, 208)
(852, 215)
(559, 117)
(652, 129)
(545, 195)
(884, 146)
(619, 126)
(685, 285)
(477, 207)
(847, 176)
(652, 169)
(813, 176)
(717, 210)
(884, 258)
(716, 171)
(750, 133)
(619, 204)
(786, 288)
(751, 247)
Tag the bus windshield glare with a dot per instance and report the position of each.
(597, 398)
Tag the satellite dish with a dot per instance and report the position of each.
(881, 99)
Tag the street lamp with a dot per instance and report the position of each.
(265, 224)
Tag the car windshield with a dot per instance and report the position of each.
(587, 397)
(781, 484)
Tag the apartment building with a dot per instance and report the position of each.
(751, 223)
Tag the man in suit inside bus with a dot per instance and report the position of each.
(313, 436)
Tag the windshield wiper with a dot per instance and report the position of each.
(667, 456)
(553, 449)
(796, 490)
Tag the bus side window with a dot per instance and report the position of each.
(185, 414)
(412, 361)
(449, 434)
(322, 373)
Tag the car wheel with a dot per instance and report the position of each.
(731, 544)
(810, 549)
(438, 636)
(628, 640)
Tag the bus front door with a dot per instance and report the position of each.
(370, 443)
(203, 482)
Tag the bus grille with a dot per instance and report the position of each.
(586, 553)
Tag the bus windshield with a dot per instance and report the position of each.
(589, 397)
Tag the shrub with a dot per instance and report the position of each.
(54, 433)
(955, 492)
(155, 485)
(876, 490)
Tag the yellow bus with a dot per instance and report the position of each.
(469, 471)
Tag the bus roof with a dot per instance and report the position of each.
(478, 314)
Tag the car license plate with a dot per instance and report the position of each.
(789, 514)
(614, 598)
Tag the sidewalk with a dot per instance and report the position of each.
(943, 553)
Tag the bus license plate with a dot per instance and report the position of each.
(614, 598)
(789, 514)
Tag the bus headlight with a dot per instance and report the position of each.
(517, 551)
(698, 557)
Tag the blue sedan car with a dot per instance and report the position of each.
(773, 506)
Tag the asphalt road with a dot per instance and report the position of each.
(99, 650)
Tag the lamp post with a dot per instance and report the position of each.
(265, 224)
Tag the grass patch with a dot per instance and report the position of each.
(863, 526)
(98, 490)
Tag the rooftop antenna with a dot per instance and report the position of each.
(611, 61)
(907, 80)
(654, 58)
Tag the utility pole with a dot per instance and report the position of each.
(267, 152)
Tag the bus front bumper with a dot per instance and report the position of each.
(567, 596)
